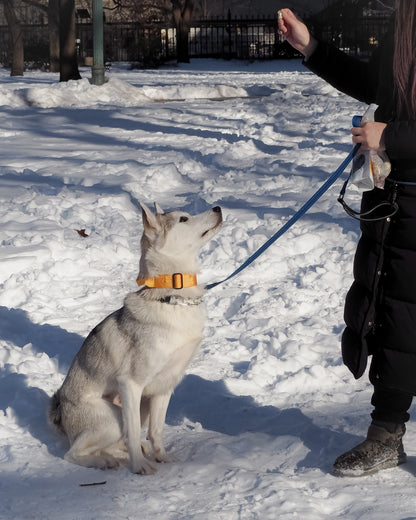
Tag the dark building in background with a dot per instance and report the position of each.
(355, 26)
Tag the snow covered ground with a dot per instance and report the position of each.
(266, 406)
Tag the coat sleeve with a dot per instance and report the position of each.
(355, 78)
(400, 140)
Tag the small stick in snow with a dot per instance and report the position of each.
(93, 484)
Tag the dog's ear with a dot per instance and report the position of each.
(159, 210)
(150, 222)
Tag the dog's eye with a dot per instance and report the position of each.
(183, 219)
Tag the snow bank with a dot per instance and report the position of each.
(115, 92)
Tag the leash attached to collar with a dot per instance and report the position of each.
(317, 195)
(169, 281)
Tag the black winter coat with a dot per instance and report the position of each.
(380, 308)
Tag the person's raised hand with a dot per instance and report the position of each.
(295, 32)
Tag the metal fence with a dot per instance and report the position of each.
(237, 38)
(249, 39)
(36, 43)
(230, 38)
(129, 42)
(152, 44)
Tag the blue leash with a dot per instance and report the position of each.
(298, 214)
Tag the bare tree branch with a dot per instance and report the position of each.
(39, 5)
(117, 5)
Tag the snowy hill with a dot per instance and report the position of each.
(266, 405)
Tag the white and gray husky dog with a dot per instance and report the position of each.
(127, 368)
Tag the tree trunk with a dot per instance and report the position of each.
(16, 39)
(182, 17)
(67, 39)
(53, 24)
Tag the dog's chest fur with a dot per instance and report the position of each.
(160, 357)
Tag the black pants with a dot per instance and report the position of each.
(390, 405)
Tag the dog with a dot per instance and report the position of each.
(124, 374)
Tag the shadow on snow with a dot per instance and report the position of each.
(28, 403)
(209, 403)
(212, 405)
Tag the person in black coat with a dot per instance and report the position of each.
(380, 308)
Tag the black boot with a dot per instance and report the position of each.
(382, 449)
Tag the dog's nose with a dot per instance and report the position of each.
(217, 209)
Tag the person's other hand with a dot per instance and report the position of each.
(370, 135)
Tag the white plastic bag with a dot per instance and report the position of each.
(370, 168)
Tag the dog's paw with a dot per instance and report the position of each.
(147, 449)
(144, 467)
(98, 460)
(107, 461)
(166, 457)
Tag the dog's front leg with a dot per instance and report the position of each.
(158, 407)
(131, 394)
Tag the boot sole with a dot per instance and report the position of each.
(387, 464)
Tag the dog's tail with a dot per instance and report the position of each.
(54, 413)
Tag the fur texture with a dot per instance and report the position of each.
(127, 368)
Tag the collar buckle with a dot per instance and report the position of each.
(177, 281)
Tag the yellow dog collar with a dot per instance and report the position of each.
(169, 281)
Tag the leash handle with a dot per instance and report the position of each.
(317, 195)
(365, 216)
(356, 121)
